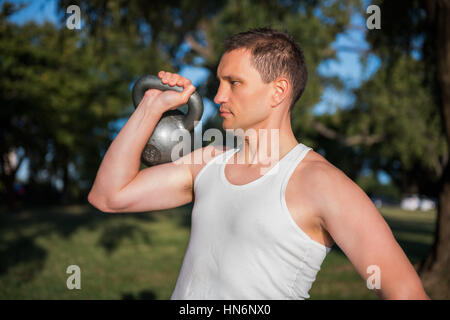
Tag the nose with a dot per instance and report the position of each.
(221, 96)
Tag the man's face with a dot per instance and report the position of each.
(243, 97)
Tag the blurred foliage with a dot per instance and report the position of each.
(395, 122)
(374, 188)
(414, 46)
(62, 90)
(398, 105)
(402, 97)
(59, 97)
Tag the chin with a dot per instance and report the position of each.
(232, 125)
(227, 125)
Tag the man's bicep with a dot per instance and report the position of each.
(357, 228)
(164, 186)
(363, 235)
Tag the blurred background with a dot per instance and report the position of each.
(377, 106)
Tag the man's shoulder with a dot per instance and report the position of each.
(328, 187)
(211, 151)
(316, 172)
(201, 156)
(316, 166)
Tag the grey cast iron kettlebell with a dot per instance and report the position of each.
(159, 147)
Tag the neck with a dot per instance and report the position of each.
(267, 143)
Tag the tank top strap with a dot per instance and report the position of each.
(290, 162)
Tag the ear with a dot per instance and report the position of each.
(280, 91)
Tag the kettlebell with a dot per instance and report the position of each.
(159, 147)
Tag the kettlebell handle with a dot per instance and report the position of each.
(195, 103)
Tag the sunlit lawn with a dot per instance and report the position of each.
(138, 256)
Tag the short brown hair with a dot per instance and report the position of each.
(274, 53)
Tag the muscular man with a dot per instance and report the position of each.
(253, 235)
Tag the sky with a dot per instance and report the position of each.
(346, 66)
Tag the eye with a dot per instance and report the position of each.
(234, 82)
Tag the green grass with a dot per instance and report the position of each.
(138, 256)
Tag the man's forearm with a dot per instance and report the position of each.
(403, 291)
(122, 160)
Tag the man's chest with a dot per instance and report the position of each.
(301, 208)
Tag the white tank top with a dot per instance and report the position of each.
(244, 244)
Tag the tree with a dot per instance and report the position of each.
(58, 96)
(435, 268)
(407, 105)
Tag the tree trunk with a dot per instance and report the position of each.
(435, 270)
(9, 164)
(10, 195)
(65, 191)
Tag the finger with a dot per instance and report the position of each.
(187, 92)
(165, 79)
(180, 82)
(183, 82)
(186, 82)
(174, 79)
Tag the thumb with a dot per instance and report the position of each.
(187, 92)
